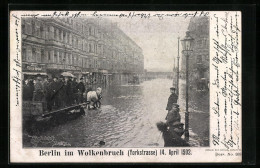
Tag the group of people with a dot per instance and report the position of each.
(57, 92)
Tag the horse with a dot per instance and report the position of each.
(93, 98)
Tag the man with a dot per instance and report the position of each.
(61, 92)
(54, 86)
(172, 99)
(38, 89)
(81, 90)
(68, 91)
(45, 87)
(74, 84)
(27, 91)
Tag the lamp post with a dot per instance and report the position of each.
(187, 45)
(178, 70)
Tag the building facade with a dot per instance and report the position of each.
(95, 49)
(199, 58)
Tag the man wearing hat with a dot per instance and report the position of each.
(27, 91)
(81, 89)
(172, 99)
(54, 86)
(38, 89)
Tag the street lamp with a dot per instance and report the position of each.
(187, 45)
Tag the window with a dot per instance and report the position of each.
(33, 27)
(55, 57)
(24, 54)
(89, 31)
(89, 48)
(37, 29)
(29, 54)
(49, 56)
(42, 31)
(42, 56)
(60, 35)
(77, 43)
(23, 27)
(64, 37)
(55, 34)
(28, 26)
(33, 54)
(60, 58)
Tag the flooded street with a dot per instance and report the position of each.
(127, 118)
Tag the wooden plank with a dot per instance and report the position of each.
(65, 109)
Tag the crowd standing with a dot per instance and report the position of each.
(57, 92)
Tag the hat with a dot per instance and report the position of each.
(177, 123)
(172, 88)
(176, 105)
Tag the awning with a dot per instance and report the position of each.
(34, 73)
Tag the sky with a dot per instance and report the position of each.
(157, 38)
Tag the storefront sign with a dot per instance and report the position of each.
(34, 68)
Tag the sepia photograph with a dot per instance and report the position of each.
(125, 87)
(110, 82)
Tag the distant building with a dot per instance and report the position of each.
(95, 49)
(199, 59)
(154, 75)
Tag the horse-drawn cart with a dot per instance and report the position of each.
(35, 114)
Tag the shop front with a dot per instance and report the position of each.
(31, 70)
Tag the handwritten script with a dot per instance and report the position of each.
(17, 61)
(128, 15)
(226, 80)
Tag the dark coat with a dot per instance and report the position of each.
(81, 87)
(38, 89)
(53, 89)
(74, 86)
(172, 99)
(27, 92)
(171, 139)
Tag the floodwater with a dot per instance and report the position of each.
(127, 118)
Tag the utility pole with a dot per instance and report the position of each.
(174, 73)
(178, 70)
